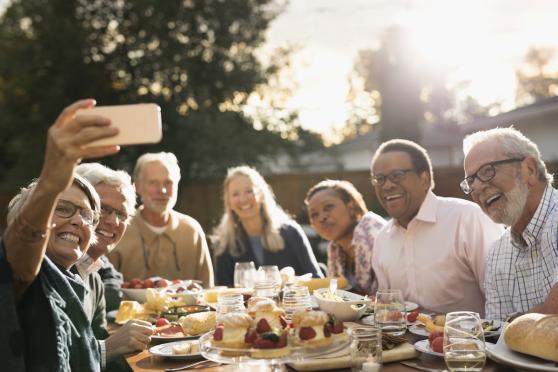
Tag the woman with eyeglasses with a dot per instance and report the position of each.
(338, 213)
(254, 228)
(51, 223)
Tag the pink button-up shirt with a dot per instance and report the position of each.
(439, 260)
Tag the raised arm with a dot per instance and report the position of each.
(29, 227)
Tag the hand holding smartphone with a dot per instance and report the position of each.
(137, 123)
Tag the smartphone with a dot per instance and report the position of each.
(137, 123)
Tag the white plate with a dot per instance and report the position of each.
(419, 329)
(369, 320)
(424, 347)
(410, 306)
(158, 338)
(165, 351)
(502, 354)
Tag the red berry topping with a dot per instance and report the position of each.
(283, 321)
(327, 331)
(218, 334)
(263, 326)
(262, 343)
(250, 337)
(282, 340)
(307, 333)
(337, 327)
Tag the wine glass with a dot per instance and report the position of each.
(244, 274)
(269, 273)
(389, 311)
(464, 348)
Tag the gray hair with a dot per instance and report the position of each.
(18, 201)
(97, 173)
(226, 234)
(168, 159)
(513, 143)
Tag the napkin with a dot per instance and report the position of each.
(342, 358)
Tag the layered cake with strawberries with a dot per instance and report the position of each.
(232, 330)
(311, 328)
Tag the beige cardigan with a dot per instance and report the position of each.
(180, 252)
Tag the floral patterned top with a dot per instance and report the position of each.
(364, 235)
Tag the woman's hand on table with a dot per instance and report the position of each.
(133, 336)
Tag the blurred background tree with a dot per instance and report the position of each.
(196, 59)
(536, 80)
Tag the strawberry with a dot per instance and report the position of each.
(438, 345)
(262, 343)
(218, 334)
(282, 340)
(306, 333)
(337, 327)
(283, 321)
(263, 326)
(250, 337)
(327, 330)
(161, 322)
(433, 335)
(412, 316)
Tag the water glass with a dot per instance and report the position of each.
(295, 298)
(269, 273)
(228, 303)
(366, 349)
(464, 348)
(266, 289)
(389, 311)
(244, 274)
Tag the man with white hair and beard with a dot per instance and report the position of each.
(507, 178)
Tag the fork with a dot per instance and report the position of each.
(187, 366)
(421, 368)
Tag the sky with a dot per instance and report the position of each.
(481, 41)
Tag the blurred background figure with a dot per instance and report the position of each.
(254, 228)
(159, 240)
(338, 213)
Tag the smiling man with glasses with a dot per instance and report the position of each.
(434, 248)
(507, 178)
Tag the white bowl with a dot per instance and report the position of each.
(139, 295)
(342, 310)
(134, 294)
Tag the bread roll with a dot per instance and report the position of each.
(534, 334)
(197, 323)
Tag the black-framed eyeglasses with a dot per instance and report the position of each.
(67, 209)
(396, 176)
(107, 210)
(484, 174)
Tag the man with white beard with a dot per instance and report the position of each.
(507, 178)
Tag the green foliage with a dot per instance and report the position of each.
(196, 59)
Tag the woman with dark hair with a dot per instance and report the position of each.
(338, 213)
(255, 228)
(51, 223)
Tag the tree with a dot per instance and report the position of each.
(196, 59)
(535, 80)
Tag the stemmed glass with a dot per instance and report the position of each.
(269, 273)
(464, 348)
(244, 274)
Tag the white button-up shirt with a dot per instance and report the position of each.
(438, 261)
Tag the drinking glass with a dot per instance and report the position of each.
(389, 311)
(228, 303)
(295, 298)
(244, 274)
(266, 289)
(464, 348)
(269, 273)
(366, 349)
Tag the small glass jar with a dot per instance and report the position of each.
(366, 349)
(228, 303)
(295, 298)
(266, 289)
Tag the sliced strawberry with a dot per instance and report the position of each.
(307, 333)
(262, 343)
(282, 340)
(327, 331)
(250, 337)
(337, 327)
(218, 334)
(283, 321)
(263, 326)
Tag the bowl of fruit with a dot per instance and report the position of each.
(187, 290)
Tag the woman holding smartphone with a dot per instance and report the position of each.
(254, 228)
(338, 213)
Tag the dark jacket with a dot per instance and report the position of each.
(11, 335)
(297, 253)
(112, 280)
